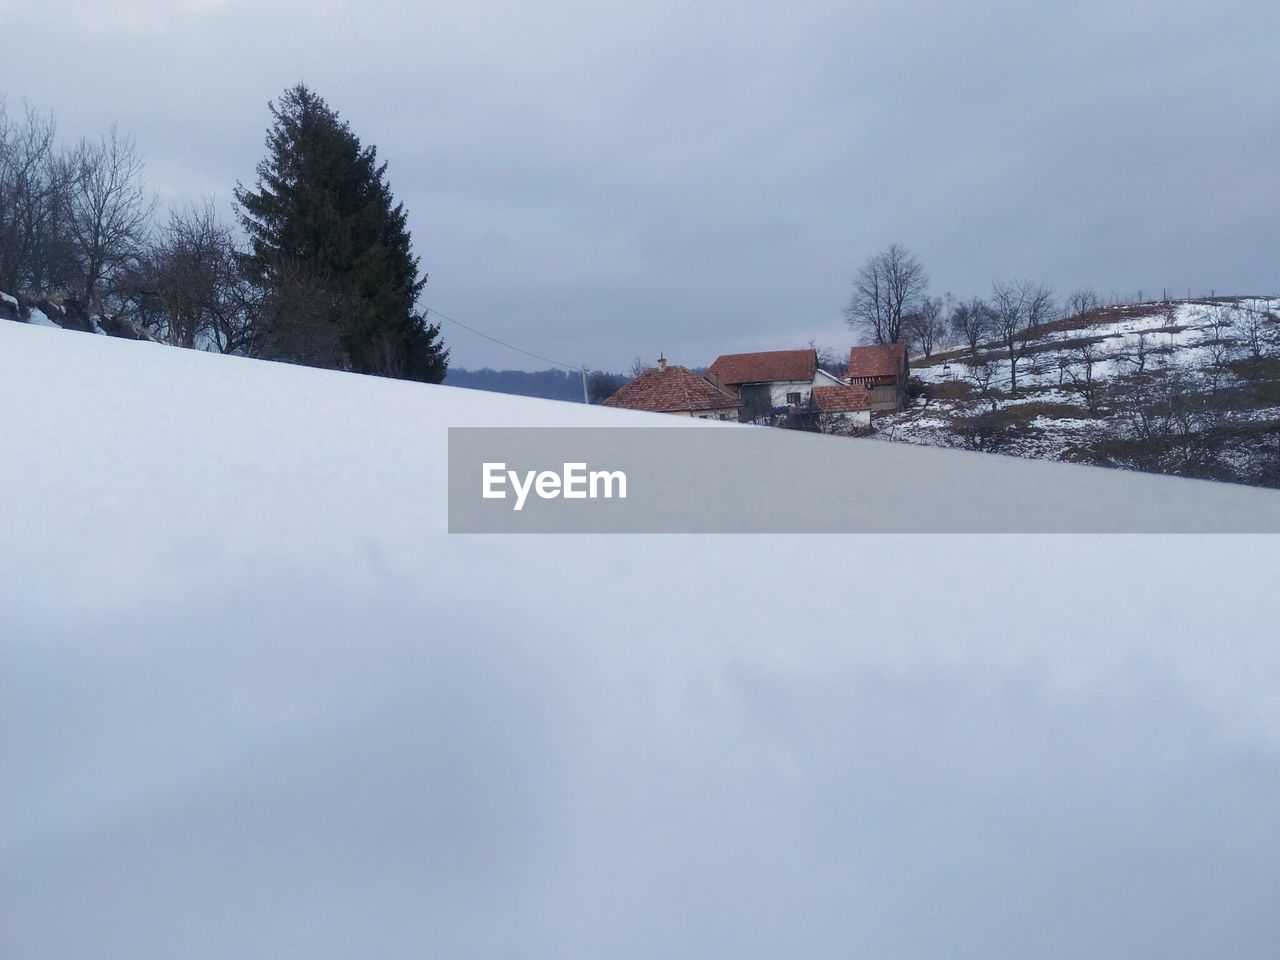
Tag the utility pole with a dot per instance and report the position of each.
(585, 397)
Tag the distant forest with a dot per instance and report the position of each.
(549, 384)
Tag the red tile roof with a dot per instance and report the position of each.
(673, 390)
(734, 369)
(878, 360)
(841, 399)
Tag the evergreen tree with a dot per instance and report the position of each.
(331, 252)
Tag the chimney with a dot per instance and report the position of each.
(662, 363)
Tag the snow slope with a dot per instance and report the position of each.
(1175, 337)
(256, 703)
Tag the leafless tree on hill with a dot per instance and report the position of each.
(983, 375)
(1137, 352)
(925, 326)
(1218, 342)
(188, 285)
(1256, 329)
(1168, 425)
(887, 288)
(110, 211)
(972, 321)
(1021, 310)
(36, 179)
(1081, 369)
(1082, 301)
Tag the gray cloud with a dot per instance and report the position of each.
(595, 183)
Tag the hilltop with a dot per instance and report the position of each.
(1190, 387)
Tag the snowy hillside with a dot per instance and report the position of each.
(1105, 387)
(256, 703)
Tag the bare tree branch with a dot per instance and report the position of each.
(887, 288)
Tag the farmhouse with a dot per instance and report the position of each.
(882, 370)
(675, 389)
(770, 382)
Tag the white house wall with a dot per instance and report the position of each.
(729, 413)
(779, 389)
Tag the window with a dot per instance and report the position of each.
(793, 398)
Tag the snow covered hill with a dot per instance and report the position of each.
(255, 702)
(1189, 387)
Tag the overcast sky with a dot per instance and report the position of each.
(596, 181)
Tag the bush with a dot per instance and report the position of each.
(990, 431)
(950, 390)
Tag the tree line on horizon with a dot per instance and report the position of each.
(318, 268)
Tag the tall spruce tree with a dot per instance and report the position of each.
(331, 253)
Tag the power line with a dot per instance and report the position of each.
(582, 368)
(509, 346)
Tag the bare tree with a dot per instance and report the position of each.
(1082, 301)
(1021, 309)
(1256, 328)
(983, 374)
(35, 184)
(638, 366)
(109, 212)
(887, 288)
(1081, 371)
(836, 364)
(925, 326)
(188, 287)
(1137, 352)
(1167, 426)
(1220, 319)
(972, 321)
(1039, 305)
(1063, 361)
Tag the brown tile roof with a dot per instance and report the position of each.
(673, 390)
(841, 399)
(734, 369)
(878, 360)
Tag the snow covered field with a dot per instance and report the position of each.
(1178, 332)
(1183, 338)
(256, 703)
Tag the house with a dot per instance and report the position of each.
(841, 410)
(669, 388)
(772, 381)
(881, 369)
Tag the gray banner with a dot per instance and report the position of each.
(765, 480)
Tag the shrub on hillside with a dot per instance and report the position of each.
(953, 390)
